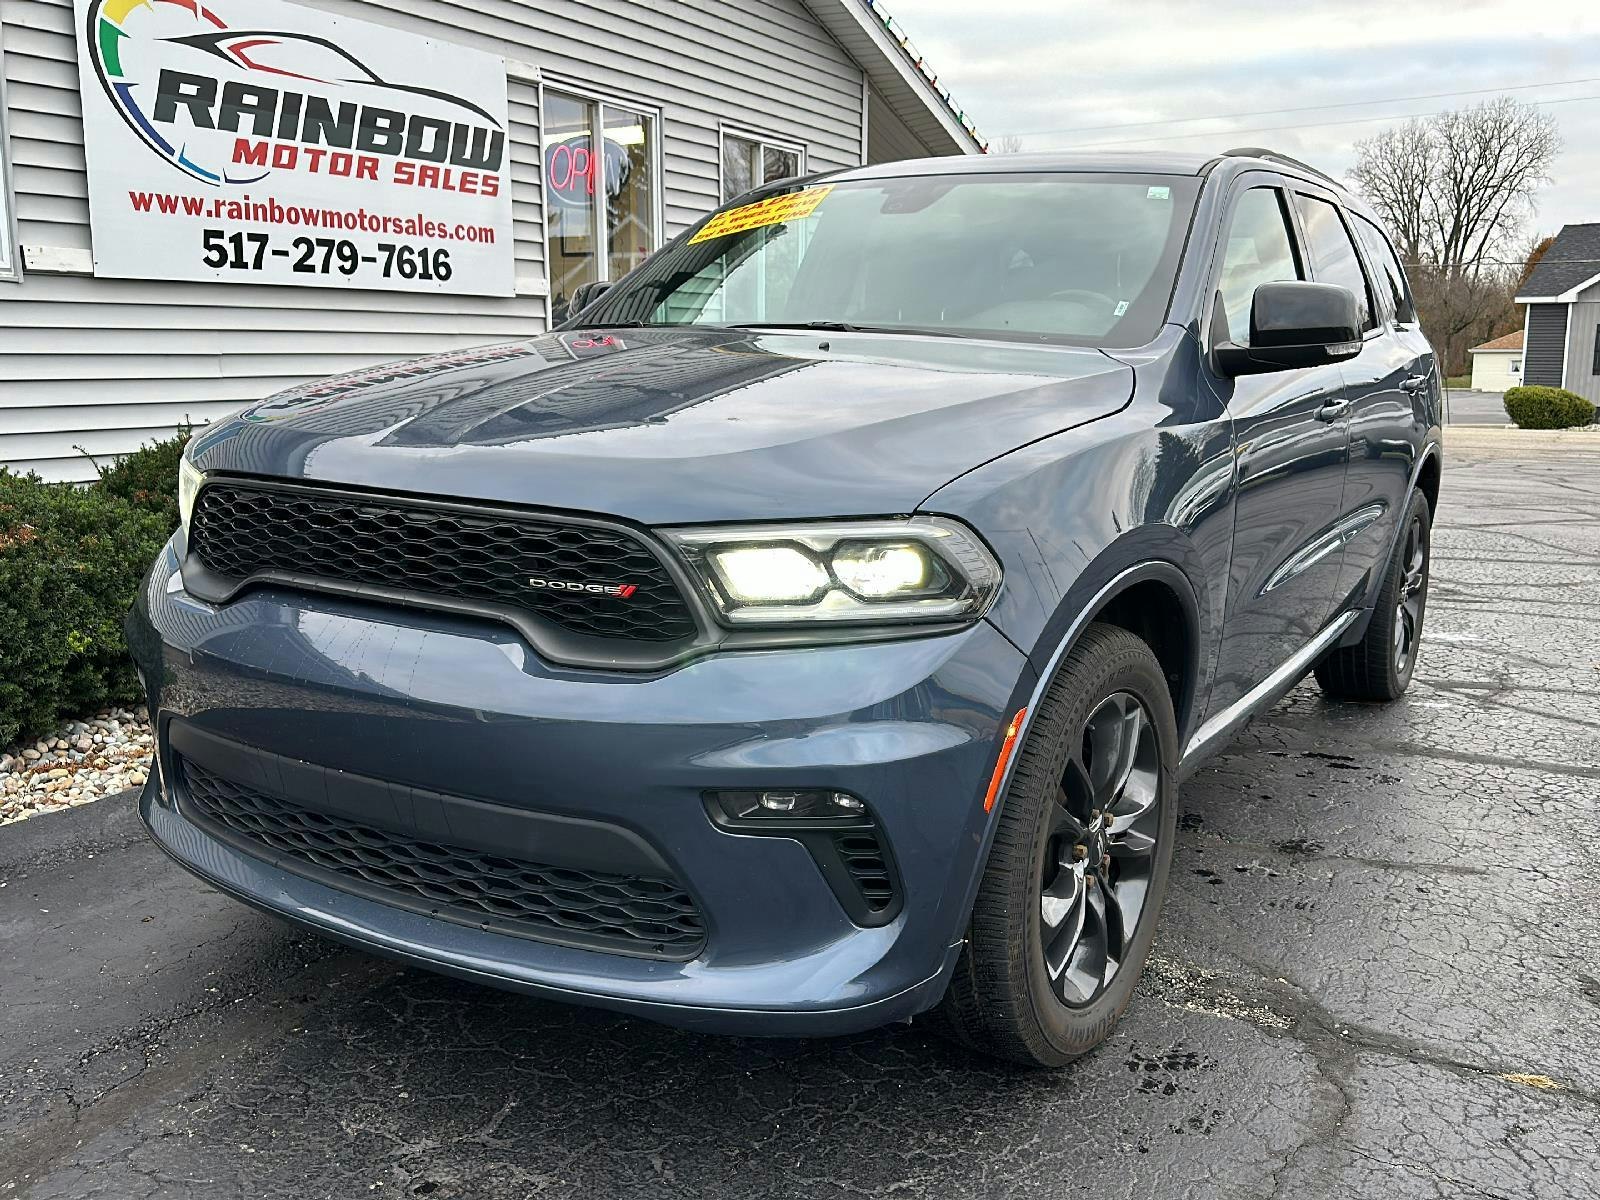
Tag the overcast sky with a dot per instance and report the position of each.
(1055, 71)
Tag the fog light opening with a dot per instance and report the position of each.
(778, 807)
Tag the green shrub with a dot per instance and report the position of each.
(148, 478)
(71, 560)
(1547, 408)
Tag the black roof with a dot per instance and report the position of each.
(1573, 259)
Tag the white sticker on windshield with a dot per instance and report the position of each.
(1158, 193)
(1122, 307)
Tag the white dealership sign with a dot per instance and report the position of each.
(252, 141)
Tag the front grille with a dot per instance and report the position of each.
(635, 914)
(240, 531)
(864, 859)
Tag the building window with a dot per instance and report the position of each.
(1516, 366)
(600, 206)
(749, 162)
(1596, 370)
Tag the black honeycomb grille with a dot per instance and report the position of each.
(636, 914)
(864, 859)
(240, 531)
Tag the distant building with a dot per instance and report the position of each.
(1497, 365)
(1562, 346)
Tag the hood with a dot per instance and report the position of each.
(680, 425)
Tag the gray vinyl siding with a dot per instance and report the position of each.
(888, 137)
(1583, 322)
(105, 365)
(1545, 345)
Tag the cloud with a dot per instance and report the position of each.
(1057, 72)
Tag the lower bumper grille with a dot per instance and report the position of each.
(627, 913)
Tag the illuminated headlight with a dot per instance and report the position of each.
(921, 569)
(190, 477)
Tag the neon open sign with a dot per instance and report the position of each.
(571, 168)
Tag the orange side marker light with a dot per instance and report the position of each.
(1006, 748)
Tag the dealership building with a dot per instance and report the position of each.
(206, 201)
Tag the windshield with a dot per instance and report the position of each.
(1078, 258)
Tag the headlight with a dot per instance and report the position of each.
(921, 569)
(190, 477)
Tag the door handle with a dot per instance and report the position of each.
(1332, 410)
(1412, 384)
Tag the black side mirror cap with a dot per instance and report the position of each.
(1294, 325)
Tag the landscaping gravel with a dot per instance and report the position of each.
(83, 761)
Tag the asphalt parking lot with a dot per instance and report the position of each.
(1477, 408)
(1377, 976)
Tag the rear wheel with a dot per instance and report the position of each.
(1067, 906)
(1379, 666)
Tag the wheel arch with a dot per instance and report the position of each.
(1429, 475)
(1155, 600)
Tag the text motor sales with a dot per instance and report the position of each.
(339, 138)
(255, 141)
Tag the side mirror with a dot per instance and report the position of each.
(586, 294)
(1294, 325)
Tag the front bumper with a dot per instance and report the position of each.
(462, 708)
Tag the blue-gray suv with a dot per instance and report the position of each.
(812, 633)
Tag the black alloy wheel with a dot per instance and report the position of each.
(1413, 594)
(1095, 873)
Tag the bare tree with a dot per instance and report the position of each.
(1455, 188)
(1008, 143)
(1537, 248)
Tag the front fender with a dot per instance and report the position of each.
(1117, 502)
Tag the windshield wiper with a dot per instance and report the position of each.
(847, 327)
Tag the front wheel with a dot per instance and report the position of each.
(1379, 666)
(1067, 906)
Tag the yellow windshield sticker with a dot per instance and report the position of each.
(775, 210)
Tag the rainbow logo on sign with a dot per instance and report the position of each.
(186, 82)
(115, 30)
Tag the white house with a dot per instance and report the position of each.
(1497, 365)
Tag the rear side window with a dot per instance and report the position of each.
(1391, 276)
(1260, 250)
(1333, 253)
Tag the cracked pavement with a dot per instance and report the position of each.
(1376, 975)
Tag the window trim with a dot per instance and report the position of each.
(10, 251)
(601, 100)
(1374, 307)
(761, 141)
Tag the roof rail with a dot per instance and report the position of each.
(1274, 156)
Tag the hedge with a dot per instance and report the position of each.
(148, 478)
(71, 561)
(1547, 408)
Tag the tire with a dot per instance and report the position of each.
(1007, 999)
(1379, 666)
